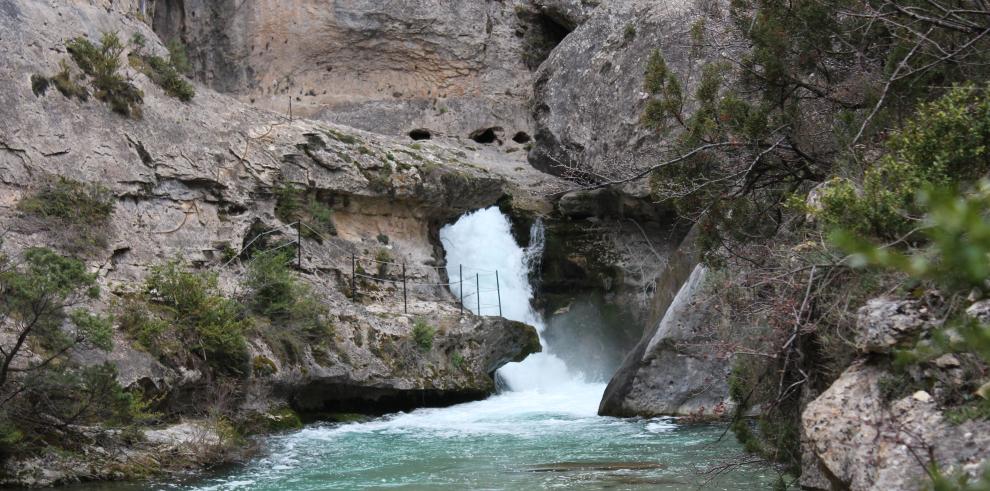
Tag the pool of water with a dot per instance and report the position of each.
(541, 432)
(517, 441)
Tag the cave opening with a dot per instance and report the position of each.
(521, 137)
(542, 33)
(486, 135)
(420, 134)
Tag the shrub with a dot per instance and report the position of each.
(177, 56)
(102, 63)
(946, 144)
(293, 204)
(276, 293)
(206, 323)
(70, 201)
(66, 86)
(262, 366)
(423, 334)
(384, 260)
(76, 213)
(163, 73)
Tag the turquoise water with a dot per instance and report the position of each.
(513, 441)
(542, 432)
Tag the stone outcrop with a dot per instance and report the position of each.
(883, 324)
(605, 252)
(450, 68)
(858, 441)
(602, 64)
(675, 369)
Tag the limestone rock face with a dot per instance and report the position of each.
(885, 323)
(193, 179)
(390, 67)
(602, 65)
(674, 370)
(865, 443)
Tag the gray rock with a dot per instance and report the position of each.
(884, 323)
(674, 369)
(388, 67)
(602, 65)
(980, 311)
(864, 443)
(192, 178)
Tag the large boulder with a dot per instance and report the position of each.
(863, 442)
(677, 371)
(602, 64)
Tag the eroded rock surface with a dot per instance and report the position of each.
(865, 443)
(602, 64)
(193, 179)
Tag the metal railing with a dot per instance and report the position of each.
(403, 283)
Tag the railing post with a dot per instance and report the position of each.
(405, 300)
(477, 290)
(498, 289)
(460, 278)
(299, 245)
(353, 282)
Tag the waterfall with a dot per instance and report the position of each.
(481, 243)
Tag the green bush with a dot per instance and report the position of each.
(177, 56)
(66, 85)
(276, 292)
(205, 323)
(947, 144)
(103, 64)
(76, 214)
(293, 204)
(70, 201)
(423, 334)
(164, 73)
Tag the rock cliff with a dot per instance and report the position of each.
(196, 180)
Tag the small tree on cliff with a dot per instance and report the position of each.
(41, 392)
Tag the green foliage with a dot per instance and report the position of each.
(103, 64)
(629, 33)
(667, 100)
(947, 144)
(177, 56)
(957, 230)
(48, 394)
(384, 260)
(423, 334)
(261, 366)
(276, 292)
(959, 481)
(204, 322)
(457, 360)
(294, 204)
(70, 202)
(66, 85)
(165, 74)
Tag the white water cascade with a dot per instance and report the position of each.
(544, 419)
(481, 243)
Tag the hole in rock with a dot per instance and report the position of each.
(521, 137)
(542, 34)
(420, 134)
(486, 135)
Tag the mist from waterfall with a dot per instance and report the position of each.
(481, 243)
(544, 416)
